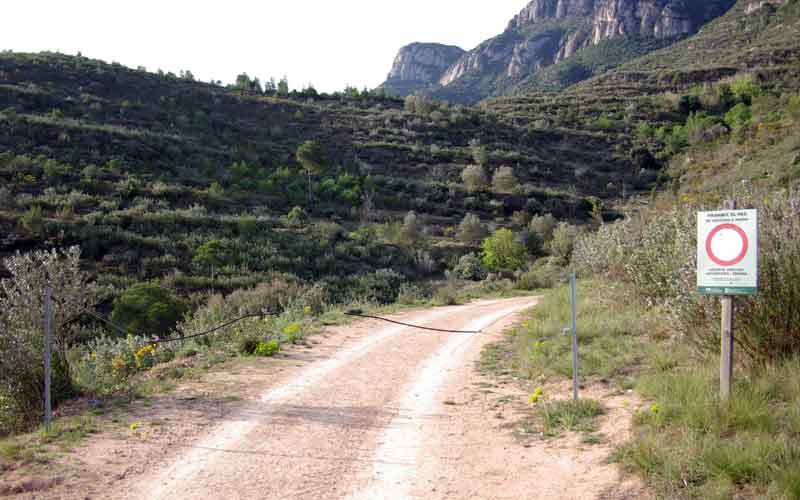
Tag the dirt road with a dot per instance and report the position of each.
(373, 411)
(352, 424)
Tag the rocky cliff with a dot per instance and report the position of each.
(419, 66)
(547, 32)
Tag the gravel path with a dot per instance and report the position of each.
(373, 411)
(349, 425)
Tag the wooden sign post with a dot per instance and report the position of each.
(727, 266)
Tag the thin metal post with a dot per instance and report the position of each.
(48, 340)
(726, 351)
(726, 361)
(574, 303)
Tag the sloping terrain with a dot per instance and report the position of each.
(143, 169)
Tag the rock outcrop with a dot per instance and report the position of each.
(419, 66)
(547, 32)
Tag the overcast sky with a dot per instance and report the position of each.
(328, 43)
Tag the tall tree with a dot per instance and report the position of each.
(309, 156)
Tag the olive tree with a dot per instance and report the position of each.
(21, 322)
(504, 180)
(471, 229)
(474, 178)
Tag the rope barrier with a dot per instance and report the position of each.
(360, 315)
(261, 314)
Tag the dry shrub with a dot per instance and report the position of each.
(656, 252)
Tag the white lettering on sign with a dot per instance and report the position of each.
(727, 252)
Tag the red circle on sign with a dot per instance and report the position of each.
(737, 259)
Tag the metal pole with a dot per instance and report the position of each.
(574, 303)
(48, 340)
(726, 352)
(726, 363)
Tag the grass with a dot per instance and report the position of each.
(685, 444)
(38, 446)
(610, 335)
(567, 415)
(693, 446)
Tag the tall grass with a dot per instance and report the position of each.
(695, 447)
(610, 332)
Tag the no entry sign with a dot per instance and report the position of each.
(727, 252)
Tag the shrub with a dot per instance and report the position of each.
(21, 325)
(544, 226)
(738, 117)
(745, 88)
(502, 252)
(479, 153)
(471, 229)
(474, 178)
(247, 345)
(103, 365)
(447, 294)
(6, 199)
(33, 221)
(563, 241)
(296, 217)
(659, 259)
(381, 286)
(504, 180)
(268, 348)
(544, 273)
(212, 254)
(411, 230)
(410, 294)
(469, 267)
(147, 309)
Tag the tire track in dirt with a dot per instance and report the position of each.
(313, 435)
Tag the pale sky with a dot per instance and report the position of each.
(328, 43)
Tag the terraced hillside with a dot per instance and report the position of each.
(144, 169)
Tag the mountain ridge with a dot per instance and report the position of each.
(547, 32)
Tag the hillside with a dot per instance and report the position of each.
(144, 169)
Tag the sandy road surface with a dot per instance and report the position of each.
(373, 411)
(349, 425)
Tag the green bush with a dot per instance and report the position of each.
(502, 252)
(381, 286)
(268, 348)
(738, 117)
(563, 242)
(103, 365)
(33, 221)
(469, 267)
(148, 309)
(471, 229)
(212, 253)
(474, 178)
(547, 272)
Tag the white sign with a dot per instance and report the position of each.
(727, 252)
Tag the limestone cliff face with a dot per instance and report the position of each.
(546, 32)
(550, 31)
(420, 65)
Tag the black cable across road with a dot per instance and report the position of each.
(360, 315)
(186, 337)
(263, 314)
(220, 327)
